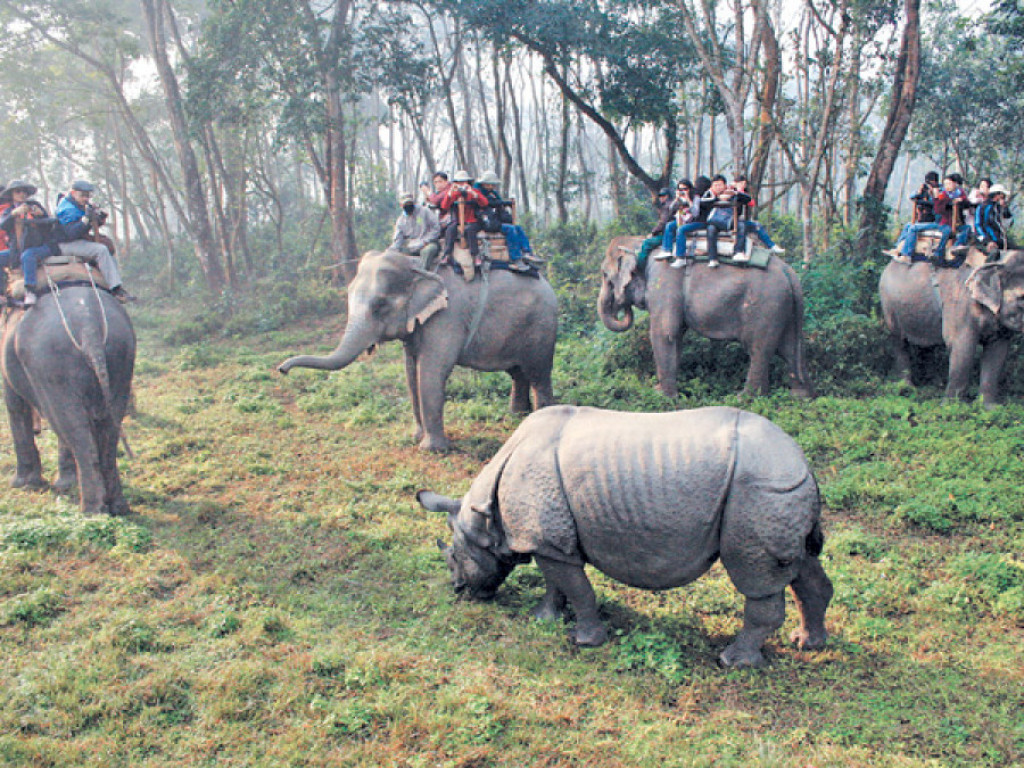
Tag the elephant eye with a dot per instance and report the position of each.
(379, 305)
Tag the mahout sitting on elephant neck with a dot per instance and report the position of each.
(650, 500)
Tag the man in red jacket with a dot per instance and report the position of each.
(462, 194)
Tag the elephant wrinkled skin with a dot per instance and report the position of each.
(763, 309)
(651, 500)
(79, 377)
(434, 315)
(960, 308)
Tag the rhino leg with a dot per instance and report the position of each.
(571, 581)
(761, 617)
(813, 591)
(551, 606)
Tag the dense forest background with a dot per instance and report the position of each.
(235, 140)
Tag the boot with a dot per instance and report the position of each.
(122, 295)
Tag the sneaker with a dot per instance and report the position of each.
(30, 297)
(892, 253)
(529, 258)
(679, 263)
(777, 249)
(122, 295)
(518, 266)
(662, 255)
(713, 263)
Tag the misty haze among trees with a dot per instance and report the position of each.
(234, 139)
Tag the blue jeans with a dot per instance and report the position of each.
(909, 236)
(516, 241)
(758, 229)
(30, 260)
(680, 236)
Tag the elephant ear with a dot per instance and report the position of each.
(428, 296)
(985, 286)
(623, 274)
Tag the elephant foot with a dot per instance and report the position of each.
(119, 508)
(32, 482)
(64, 485)
(435, 444)
(735, 657)
(589, 636)
(806, 640)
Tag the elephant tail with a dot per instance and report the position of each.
(799, 361)
(93, 351)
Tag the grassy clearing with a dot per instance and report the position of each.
(277, 599)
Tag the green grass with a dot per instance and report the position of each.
(277, 598)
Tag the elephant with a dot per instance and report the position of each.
(960, 308)
(651, 500)
(71, 357)
(763, 309)
(498, 322)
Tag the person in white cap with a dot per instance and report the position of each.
(77, 218)
(417, 231)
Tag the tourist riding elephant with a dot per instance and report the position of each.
(763, 309)
(961, 308)
(500, 321)
(651, 500)
(71, 357)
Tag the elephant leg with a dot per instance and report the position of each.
(571, 581)
(67, 474)
(29, 472)
(792, 351)
(993, 362)
(665, 336)
(431, 376)
(413, 387)
(901, 359)
(761, 351)
(113, 498)
(75, 429)
(812, 590)
(542, 393)
(961, 361)
(761, 617)
(519, 401)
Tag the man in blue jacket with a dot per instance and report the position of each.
(77, 217)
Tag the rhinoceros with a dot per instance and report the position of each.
(652, 500)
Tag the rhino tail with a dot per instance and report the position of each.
(815, 541)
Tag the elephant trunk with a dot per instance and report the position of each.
(360, 335)
(609, 312)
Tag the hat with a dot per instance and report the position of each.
(461, 176)
(31, 189)
(664, 192)
(406, 197)
(489, 177)
(82, 186)
(997, 189)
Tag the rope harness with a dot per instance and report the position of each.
(55, 290)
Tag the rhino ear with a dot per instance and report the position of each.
(986, 286)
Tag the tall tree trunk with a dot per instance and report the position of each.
(901, 109)
(195, 197)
